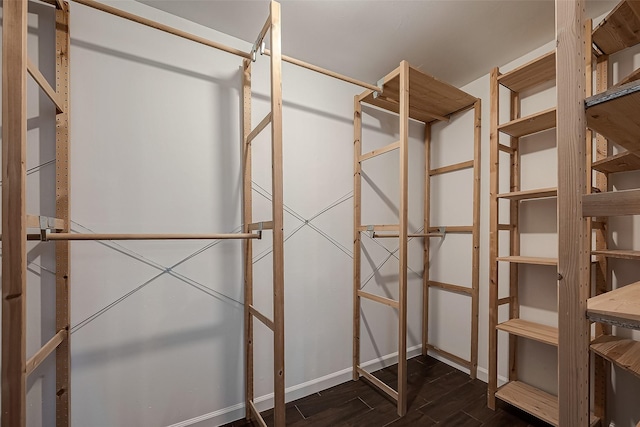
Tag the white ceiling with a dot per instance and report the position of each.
(454, 40)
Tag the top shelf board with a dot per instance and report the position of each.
(615, 114)
(619, 307)
(620, 29)
(531, 74)
(428, 97)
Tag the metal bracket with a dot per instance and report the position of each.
(260, 227)
(380, 84)
(371, 231)
(255, 49)
(443, 231)
(44, 233)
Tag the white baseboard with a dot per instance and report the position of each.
(235, 412)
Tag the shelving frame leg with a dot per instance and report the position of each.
(357, 221)
(62, 248)
(426, 252)
(277, 211)
(14, 236)
(475, 274)
(493, 241)
(574, 260)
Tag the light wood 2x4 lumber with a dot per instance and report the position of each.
(529, 260)
(531, 74)
(44, 85)
(534, 401)
(618, 253)
(427, 95)
(621, 351)
(623, 162)
(615, 114)
(611, 203)
(530, 330)
(530, 194)
(620, 29)
(632, 77)
(619, 307)
(531, 124)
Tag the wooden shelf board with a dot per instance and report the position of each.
(615, 114)
(530, 194)
(623, 162)
(611, 203)
(531, 74)
(530, 330)
(533, 401)
(426, 95)
(635, 75)
(620, 29)
(619, 307)
(620, 351)
(529, 260)
(530, 124)
(618, 253)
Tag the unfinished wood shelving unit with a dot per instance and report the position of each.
(613, 114)
(413, 94)
(526, 77)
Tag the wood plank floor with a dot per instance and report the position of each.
(439, 395)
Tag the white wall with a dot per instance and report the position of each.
(155, 148)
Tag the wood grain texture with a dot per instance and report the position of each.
(616, 115)
(611, 203)
(531, 124)
(427, 243)
(518, 259)
(530, 330)
(475, 260)
(14, 236)
(530, 194)
(574, 248)
(277, 215)
(357, 219)
(619, 307)
(622, 162)
(620, 29)
(63, 211)
(618, 253)
(623, 352)
(531, 74)
(40, 356)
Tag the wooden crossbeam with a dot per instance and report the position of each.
(44, 85)
(45, 351)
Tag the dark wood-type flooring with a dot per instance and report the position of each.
(438, 395)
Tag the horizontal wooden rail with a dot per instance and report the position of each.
(39, 221)
(612, 203)
(264, 225)
(378, 383)
(44, 85)
(382, 236)
(97, 236)
(379, 151)
(506, 149)
(377, 298)
(263, 124)
(457, 359)
(452, 228)
(505, 300)
(452, 168)
(261, 317)
(378, 227)
(45, 351)
(449, 287)
(506, 227)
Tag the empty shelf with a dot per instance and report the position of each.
(529, 260)
(620, 29)
(615, 114)
(531, 74)
(531, 124)
(618, 253)
(623, 162)
(620, 351)
(534, 401)
(426, 95)
(533, 331)
(530, 194)
(611, 203)
(619, 307)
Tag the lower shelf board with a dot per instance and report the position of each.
(533, 401)
(533, 331)
(619, 351)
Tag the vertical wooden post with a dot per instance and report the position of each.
(357, 219)
(278, 215)
(514, 237)
(404, 183)
(475, 279)
(493, 248)
(63, 180)
(573, 235)
(247, 219)
(427, 221)
(14, 232)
